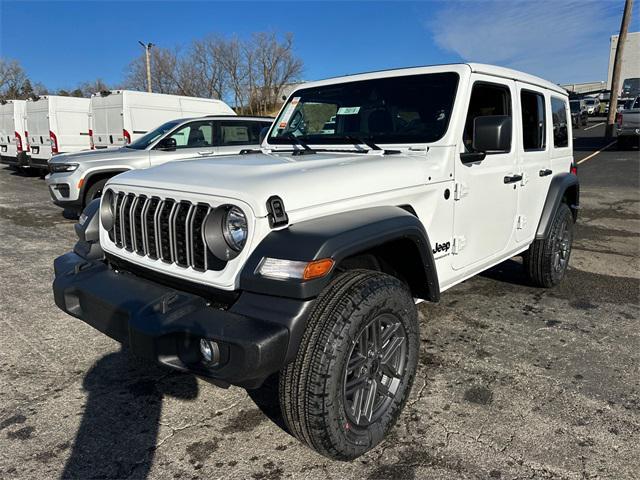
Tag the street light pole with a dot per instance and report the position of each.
(617, 65)
(147, 50)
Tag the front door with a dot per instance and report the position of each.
(193, 140)
(485, 196)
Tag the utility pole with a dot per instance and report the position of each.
(617, 65)
(147, 51)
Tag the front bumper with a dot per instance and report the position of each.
(164, 324)
(63, 189)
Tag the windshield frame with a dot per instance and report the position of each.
(173, 124)
(348, 140)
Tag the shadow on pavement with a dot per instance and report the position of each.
(119, 427)
(266, 399)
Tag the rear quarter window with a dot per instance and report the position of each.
(560, 126)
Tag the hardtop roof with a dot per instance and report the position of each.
(493, 70)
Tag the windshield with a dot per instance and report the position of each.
(405, 109)
(575, 107)
(631, 83)
(147, 139)
(590, 102)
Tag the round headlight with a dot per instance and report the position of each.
(225, 231)
(234, 228)
(107, 209)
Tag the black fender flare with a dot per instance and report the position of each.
(90, 175)
(339, 236)
(564, 185)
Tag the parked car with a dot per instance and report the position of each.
(593, 105)
(307, 259)
(628, 126)
(76, 179)
(579, 114)
(119, 117)
(56, 125)
(13, 143)
(630, 88)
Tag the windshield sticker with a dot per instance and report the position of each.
(348, 110)
(288, 112)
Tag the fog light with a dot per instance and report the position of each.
(210, 351)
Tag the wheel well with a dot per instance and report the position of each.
(96, 177)
(571, 198)
(399, 258)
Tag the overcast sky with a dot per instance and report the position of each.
(64, 43)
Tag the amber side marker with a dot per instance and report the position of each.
(317, 268)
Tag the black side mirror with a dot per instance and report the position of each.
(168, 143)
(263, 133)
(492, 134)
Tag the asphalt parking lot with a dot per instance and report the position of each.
(513, 382)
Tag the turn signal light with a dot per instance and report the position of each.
(317, 269)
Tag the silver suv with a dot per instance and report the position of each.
(77, 178)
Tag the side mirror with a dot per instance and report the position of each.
(168, 143)
(263, 134)
(492, 134)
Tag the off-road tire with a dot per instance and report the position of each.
(312, 386)
(540, 261)
(94, 191)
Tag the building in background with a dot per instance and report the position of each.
(630, 60)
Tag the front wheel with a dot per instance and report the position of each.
(547, 259)
(94, 191)
(355, 367)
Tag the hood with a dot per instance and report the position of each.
(301, 181)
(88, 156)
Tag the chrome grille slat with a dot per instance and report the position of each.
(166, 229)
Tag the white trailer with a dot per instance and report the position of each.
(119, 117)
(13, 143)
(56, 124)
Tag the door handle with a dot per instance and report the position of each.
(545, 172)
(207, 152)
(512, 178)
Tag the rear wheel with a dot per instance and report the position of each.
(94, 191)
(355, 366)
(547, 260)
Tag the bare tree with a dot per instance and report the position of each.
(275, 67)
(164, 72)
(12, 79)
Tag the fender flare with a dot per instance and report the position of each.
(557, 192)
(338, 236)
(92, 173)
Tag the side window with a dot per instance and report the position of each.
(239, 132)
(637, 103)
(533, 121)
(560, 128)
(194, 135)
(486, 99)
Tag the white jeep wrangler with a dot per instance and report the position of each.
(307, 258)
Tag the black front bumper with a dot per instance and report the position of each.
(257, 335)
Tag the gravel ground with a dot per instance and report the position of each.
(513, 381)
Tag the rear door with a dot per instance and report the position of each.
(107, 119)
(236, 135)
(38, 126)
(193, 140)
(534, 162)
(6, 127)
(485, 201)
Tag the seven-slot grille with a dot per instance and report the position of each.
(163, 229)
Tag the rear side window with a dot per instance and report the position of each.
(239, 132)
(560, 128)
(533, 121)
(486, 99)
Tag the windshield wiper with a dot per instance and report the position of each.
(307, 149)
(370, 144)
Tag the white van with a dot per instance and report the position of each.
(56, 125)
(119, 117)
(13, 144)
